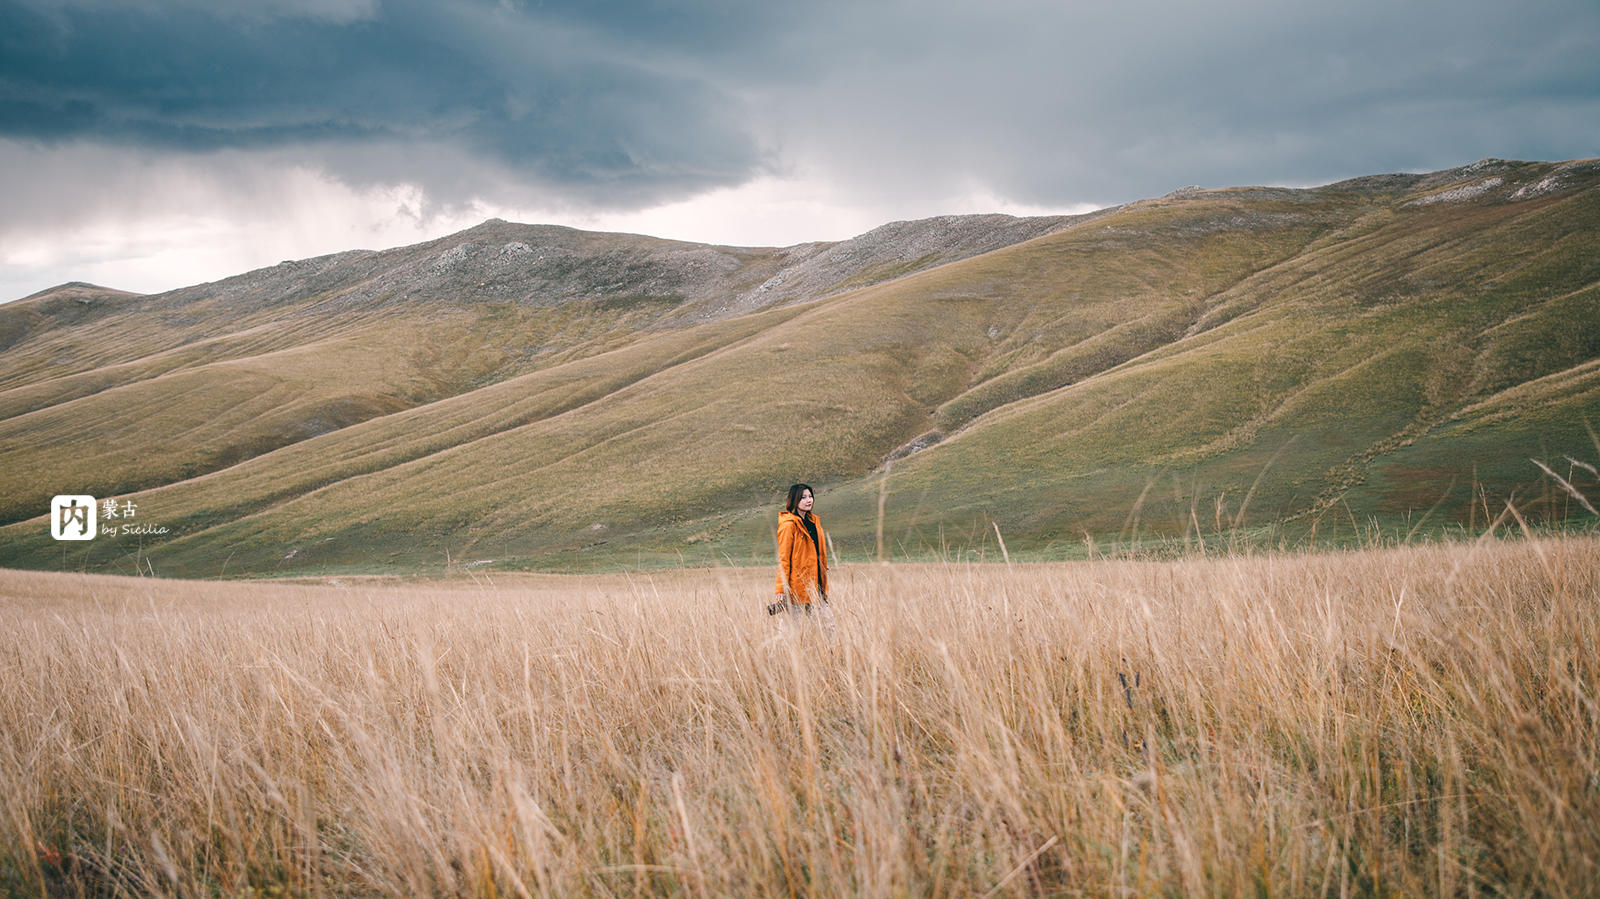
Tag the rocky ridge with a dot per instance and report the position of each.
(542, 265)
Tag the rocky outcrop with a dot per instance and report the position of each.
(885, 253)
(542, 265)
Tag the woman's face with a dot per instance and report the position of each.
(805, 502)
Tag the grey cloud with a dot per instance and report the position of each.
(555, 105)
(240, 10)
(1101, 102)
(626, 103)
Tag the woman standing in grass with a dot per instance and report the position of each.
(802, 554)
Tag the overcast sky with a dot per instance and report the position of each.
(151, 144)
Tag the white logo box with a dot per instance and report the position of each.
(74, 518)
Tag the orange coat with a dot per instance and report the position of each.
(802, 567)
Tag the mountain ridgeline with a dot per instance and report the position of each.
(1397, 353)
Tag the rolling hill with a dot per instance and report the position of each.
(1391, 351)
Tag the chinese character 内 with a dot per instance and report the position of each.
(75, 514)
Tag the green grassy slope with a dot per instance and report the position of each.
(110, 393)
(130, 393)
(1392, 349)
(1389, 369)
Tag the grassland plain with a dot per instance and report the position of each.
(1405, 721)
(1391, 352)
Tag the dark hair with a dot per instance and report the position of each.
(792, 506)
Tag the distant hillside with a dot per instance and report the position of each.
(73, 303)
(1390, 351)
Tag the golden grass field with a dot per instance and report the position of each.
(1406, 721)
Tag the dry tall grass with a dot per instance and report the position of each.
(1418, 721)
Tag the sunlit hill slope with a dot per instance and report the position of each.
(1393, 351)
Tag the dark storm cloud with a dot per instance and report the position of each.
(630, 102)
(566, 105)
(1114, 101)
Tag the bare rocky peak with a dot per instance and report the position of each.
(1476, 171)
(1405, 182)
(536, 264)
(287, 283)
(544, 265)
(887, 252)
(1559, 178)
(1500, 180)
(495, 262)
(1487, 179)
